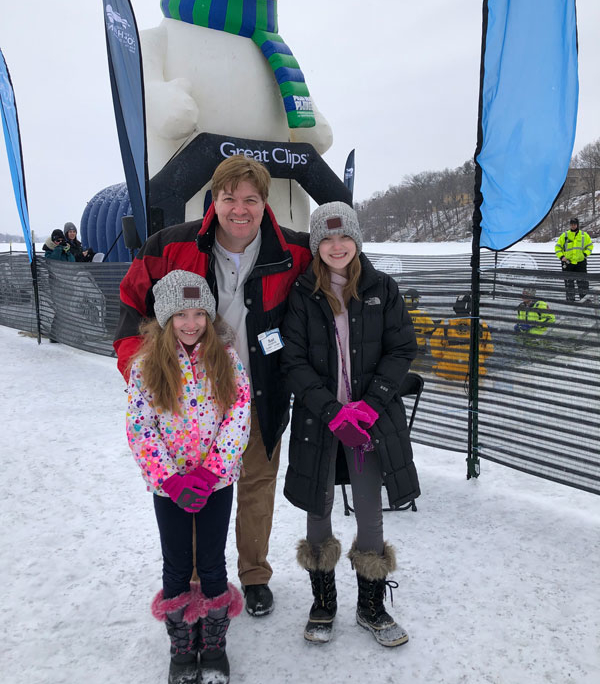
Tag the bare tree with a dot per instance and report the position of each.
(588, 160)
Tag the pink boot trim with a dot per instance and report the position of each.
(161, 606)
(231, 598)
(195, 608)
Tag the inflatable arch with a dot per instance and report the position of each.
(190, 170)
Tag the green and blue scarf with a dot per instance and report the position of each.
(255, 19)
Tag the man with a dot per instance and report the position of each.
(533, 315)
(451, 343)
(422, 323)
(573, 248)
(250, 264)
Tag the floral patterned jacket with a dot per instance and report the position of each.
(164, 443)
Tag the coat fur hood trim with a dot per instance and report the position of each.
(225, 332)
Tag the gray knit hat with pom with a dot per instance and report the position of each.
(180, 290)
(334, 218)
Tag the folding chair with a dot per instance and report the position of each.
(412, 386)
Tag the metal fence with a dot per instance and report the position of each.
(79, 302)
(539, 394)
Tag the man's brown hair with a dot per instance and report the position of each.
(236, 169)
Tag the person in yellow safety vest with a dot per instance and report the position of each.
(422, 323)
(573, 248)
(533, 315)
(451, 341)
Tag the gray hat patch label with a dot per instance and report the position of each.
(191, 293)
(334, 223)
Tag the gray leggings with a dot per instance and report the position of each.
(366, 500)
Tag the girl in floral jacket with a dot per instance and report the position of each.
(188, 423)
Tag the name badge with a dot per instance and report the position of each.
(270, 341)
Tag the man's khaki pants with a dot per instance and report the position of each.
(255, 503)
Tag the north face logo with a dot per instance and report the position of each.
(372, 301)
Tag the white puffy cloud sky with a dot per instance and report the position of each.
(397, 80)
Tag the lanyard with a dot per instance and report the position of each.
(359, 451)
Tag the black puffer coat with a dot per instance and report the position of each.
(382, 345)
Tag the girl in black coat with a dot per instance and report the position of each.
(349, 342)
(77, 250)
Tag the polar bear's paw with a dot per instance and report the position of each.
(170, 110)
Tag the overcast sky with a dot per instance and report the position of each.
(397, 80)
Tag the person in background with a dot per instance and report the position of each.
(533, 315)
(250, 263)
(348, 345)
(451, 343)
(188, 423)
(77, 250)
(57, 248)
(573, 248)
(422, 323)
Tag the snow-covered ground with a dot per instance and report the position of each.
(498, 576)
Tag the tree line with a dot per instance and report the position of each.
(435, 206)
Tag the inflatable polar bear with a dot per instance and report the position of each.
(206, 70)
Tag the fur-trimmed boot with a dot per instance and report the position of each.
(214, 623)
(320, 563)
(180, 615)
(371, 572)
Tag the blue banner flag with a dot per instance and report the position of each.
(10, 125)
(127, 84)
(527, 115)
(349, 173)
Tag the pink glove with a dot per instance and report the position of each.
(371, 412)
(206, 475)
(345, 426)
(188, 491)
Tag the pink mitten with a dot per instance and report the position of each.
(371, 412)
(345, 426)
(188, 491)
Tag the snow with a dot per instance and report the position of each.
(498, 576)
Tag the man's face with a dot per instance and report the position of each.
(239, 212)
(574, 227)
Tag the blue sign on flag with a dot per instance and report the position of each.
(126, 79)
(527, 114)
(10, 125)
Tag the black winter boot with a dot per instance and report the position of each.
(214, 664)
(183, 668)
(180, 615)
(320, 564)
(371, 572)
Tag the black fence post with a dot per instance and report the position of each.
(36, 291)
(473, 443)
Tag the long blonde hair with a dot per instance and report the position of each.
(323, 282)
(162, 374)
